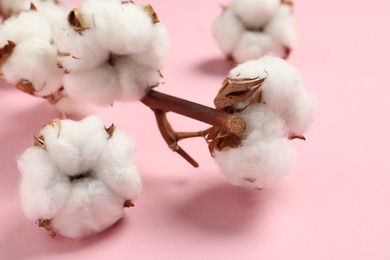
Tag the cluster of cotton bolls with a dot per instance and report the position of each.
(101, 52)
(250, 29)
(285, 111)
(111, 50)
(78, 177)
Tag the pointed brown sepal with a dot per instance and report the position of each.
(62, 54)
(75, 19)
(110, 130)
(56, 96)
(33, 7)
(292, 136)
(44, 223)
(39, 141)
(150, 11)
(287, 52)
(128, 204)
(288, 2)
(219, 140)
(26, 87)
(6, 51)
(250, 179)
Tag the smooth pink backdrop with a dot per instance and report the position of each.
(334, 205)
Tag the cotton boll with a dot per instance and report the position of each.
(25, 26)
(255, 13)
(117, 166)
(227, 30)
(99, 86)
(90, 208)
(43, 191)
(135, 79)
(82, 168)
(78, 51)
(35, 61)
(252, 45)
(282, 27)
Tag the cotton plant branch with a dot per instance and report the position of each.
(161, 104)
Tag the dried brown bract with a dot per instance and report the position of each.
(26, 87)
(150, 11)
(6, 51)
(238, 90)
(110, 130)
(39, 141)
(219, 140)
(46, 224)
(56, 96)
(128, 204)
(76, 20)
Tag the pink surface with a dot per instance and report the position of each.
(334, 205)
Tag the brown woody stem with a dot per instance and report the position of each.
(159, 101)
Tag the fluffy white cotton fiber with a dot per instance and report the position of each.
(128, 50)
(32, 60)
(78, 177)
(264, 155)
(250, 29)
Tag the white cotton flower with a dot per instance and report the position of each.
(78, 176)
(277, 110)
(111, 51)
(250, 29)
(282, 91)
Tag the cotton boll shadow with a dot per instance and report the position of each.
(215, 66)
(24, 240)
(224, 209)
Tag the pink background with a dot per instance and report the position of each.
(334, 205)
